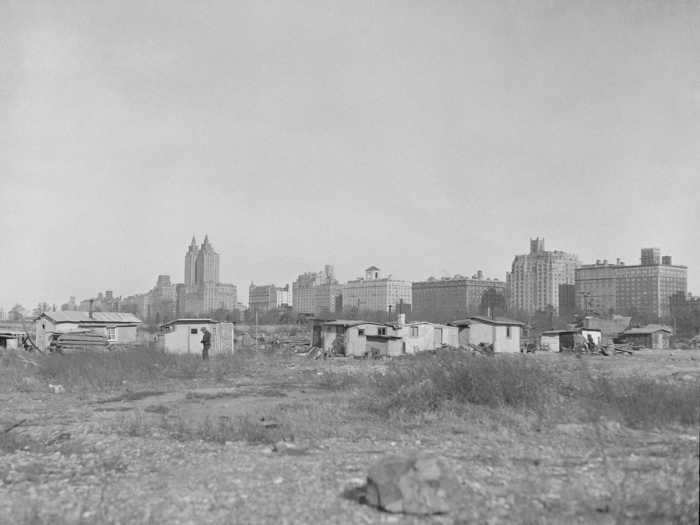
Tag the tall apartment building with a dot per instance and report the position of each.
(263, 298)
(534, 279)
(644, 289)
(375, 293)
(452, 298)
(316, 293)
(303, 292)
(202, 292)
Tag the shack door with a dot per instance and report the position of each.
(437, 337)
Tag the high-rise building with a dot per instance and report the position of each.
(534, 279)
(451, 298)
(207, 264)
(202, 293)
(375, 293)
(645, 289)
(191, 263)
(316, 293)
(266, 297)
(303, 290)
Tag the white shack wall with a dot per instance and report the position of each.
(497, 335)
(182, 341)
(507, 344)
(355, 344)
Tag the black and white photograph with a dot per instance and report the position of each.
(307, 262)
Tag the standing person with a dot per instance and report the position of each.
(206, 343)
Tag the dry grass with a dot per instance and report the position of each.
(221, 430)
(425, 383)
(109, 370)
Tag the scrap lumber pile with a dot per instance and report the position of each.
(604, 350)
(318, 353)
(78, 341)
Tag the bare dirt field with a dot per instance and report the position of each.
(175, 440)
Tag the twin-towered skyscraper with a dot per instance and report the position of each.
(201, 264)
(202, 292)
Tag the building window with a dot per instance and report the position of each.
(508, 334)
(112, 333)
(381, 331)
(414, 331)
(360, 331)
(193, 331)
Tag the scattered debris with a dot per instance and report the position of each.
(419, 484)
(56, 389)
(288, 447)
(58, 437)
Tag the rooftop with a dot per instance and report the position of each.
(349, 322)
(501, 321)
(648, 329)
(190, 320)
(74, 316)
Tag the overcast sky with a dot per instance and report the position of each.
(424, 137)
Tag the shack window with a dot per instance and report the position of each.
(193, 331)
(381, 331)
(414, 331)
(112, 333)
(360, 331)
(508, 335)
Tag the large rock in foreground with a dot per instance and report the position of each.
(412, 484)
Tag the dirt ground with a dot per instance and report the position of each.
(121, 456)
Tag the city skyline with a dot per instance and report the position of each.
(424, 139)
(244, 285)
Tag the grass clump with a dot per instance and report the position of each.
(107, 370)
(221, 430)
(100, 370)
(645, 402)
(426, 382)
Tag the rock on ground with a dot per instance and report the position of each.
(412, 484)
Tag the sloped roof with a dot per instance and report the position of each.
(74, 316)
(190, 321)
(501, 321)
(349, 322)
(648, 329)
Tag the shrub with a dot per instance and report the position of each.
(103, 369)
(644, 402)
(427, 381)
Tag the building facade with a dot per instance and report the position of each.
(202, 292)
(263, 298)
(452, 297)
(534, 279)
(375, 293)
(316, 293)
(303, 290)
(643, 290)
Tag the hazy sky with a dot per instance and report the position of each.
(425, 137)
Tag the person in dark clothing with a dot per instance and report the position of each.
(591, 343)
(206, 343)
